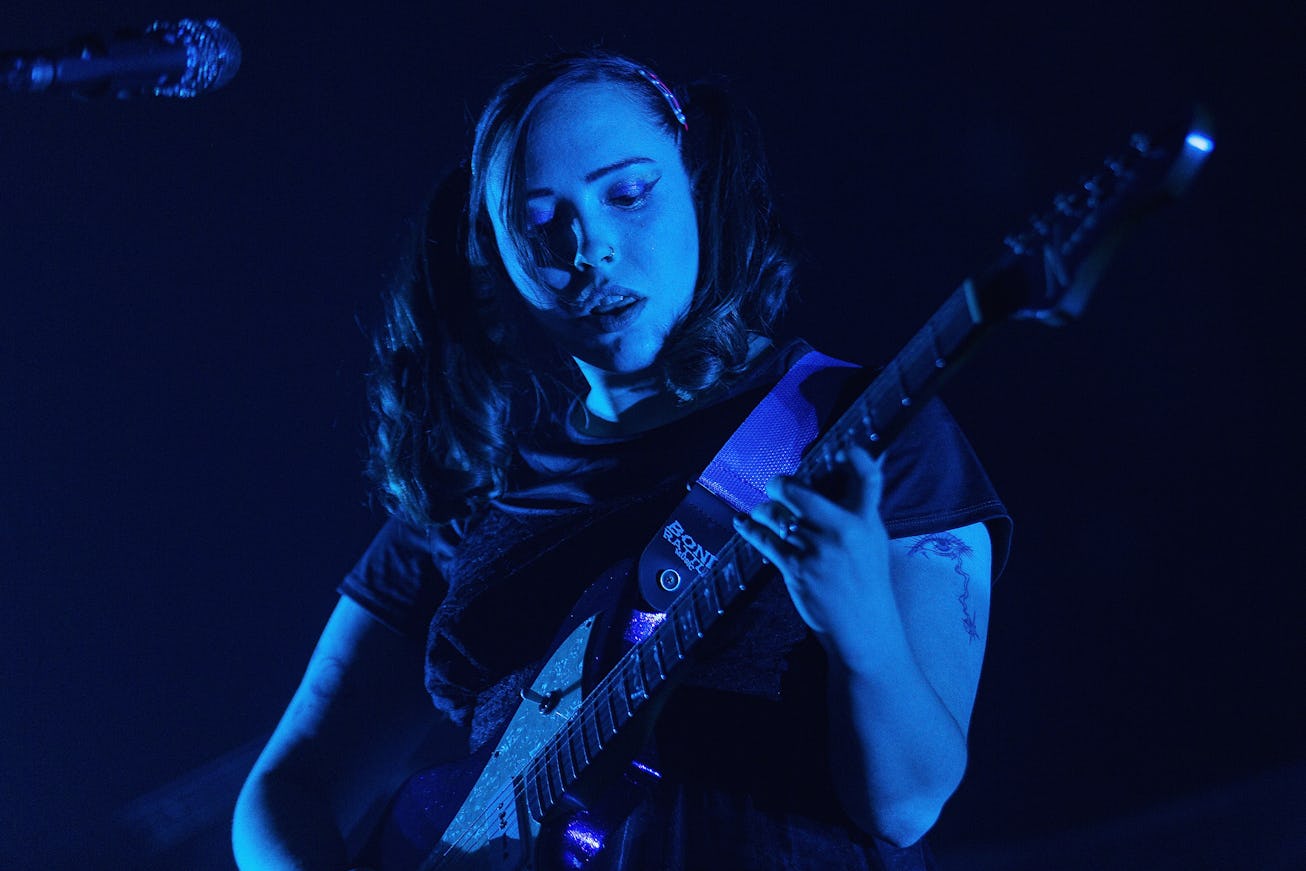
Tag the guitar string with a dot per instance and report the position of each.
(478, 826)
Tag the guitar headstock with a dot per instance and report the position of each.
(1051, 267)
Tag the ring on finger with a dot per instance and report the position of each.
(791, 534)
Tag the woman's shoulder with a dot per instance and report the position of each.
(401, 577)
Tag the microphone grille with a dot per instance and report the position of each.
(212, 55)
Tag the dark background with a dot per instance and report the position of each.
(187, 284)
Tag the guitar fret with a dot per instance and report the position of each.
(655, 644)
(712, 594)
(606, 729)
(627, 693)
(905, 399)
(554, 773)
(732, 574)
(618, 714)
(690, 615)
(576, 763)
(924, 356)
(669, 642)
(940, 358)
(702, 618)
(590, 733)
(953, 325)
(673, 629)
(641, 688)
(525, 788)
(560, 746)
(868, 423)
(540, 787)
(576, 736)
(886, 408)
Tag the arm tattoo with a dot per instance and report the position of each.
(948, 546)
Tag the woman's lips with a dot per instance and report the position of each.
(615, 319)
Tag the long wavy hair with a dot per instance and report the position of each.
(459, 372)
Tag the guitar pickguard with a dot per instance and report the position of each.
(493, 831)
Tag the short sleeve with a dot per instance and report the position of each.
(934, 481)
(400, 578)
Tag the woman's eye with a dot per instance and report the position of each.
(538, 219)
(631, 194)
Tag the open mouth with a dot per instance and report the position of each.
(615, 313)
(610, 299)
(614, 305)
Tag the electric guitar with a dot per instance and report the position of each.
(538, 798)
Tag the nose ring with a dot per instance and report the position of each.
(581, 261)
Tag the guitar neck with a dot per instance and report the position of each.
(885, 407)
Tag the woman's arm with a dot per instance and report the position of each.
(900, 696)
(903, 624)
(358, 724)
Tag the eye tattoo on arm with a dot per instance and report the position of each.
(948, 546)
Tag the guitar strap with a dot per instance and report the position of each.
(769, 442)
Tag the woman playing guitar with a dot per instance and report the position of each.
(587, 319)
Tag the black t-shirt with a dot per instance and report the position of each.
(491, 592)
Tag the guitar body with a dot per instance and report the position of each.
(491, 828)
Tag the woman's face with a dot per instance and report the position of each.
(610, 220)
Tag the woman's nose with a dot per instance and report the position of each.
(592, 246)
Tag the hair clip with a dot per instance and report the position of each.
(666, 92)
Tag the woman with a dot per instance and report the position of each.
(607, 225)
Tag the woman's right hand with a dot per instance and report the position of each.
(358, 725)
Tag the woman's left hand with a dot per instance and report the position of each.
(833, 554)
(902, 623)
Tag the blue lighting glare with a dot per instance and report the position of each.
(1200, 142)
(641, 625)
(580, 841)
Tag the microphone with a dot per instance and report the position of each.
(182, 59)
